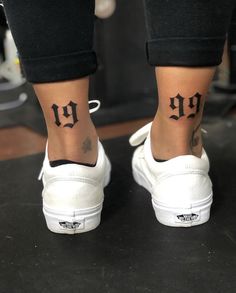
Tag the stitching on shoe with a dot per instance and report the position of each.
(74, 179)
(194, 172)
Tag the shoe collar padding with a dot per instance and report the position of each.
(181, 163)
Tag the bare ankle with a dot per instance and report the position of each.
(169, 140)
(78, 146)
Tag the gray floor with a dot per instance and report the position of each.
(130, 251)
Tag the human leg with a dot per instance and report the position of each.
(185, 45)
(55, 45)
(176, 128)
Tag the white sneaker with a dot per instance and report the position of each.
(181, 189)
(73, 194)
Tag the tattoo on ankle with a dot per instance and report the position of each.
(195, 140)
(178, 102)
(68, 112)
(87, 145)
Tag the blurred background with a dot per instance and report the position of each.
(124, 83)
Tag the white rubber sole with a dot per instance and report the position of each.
(75, 221)
(68, 222)
(197, 214)
(194, 214)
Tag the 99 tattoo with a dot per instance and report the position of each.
(177, 105)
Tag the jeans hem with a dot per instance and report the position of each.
(189, 52)
(59, 68)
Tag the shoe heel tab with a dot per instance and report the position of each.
(140, 135)
(40, 176)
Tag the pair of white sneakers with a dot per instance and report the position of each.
(181, 190)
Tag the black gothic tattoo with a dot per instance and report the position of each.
(177, 102)
(191, 105)
(180, 100)
(68, 111)
(195, 139)
(87, 145)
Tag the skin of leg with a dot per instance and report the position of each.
(71, 133)
(176, 128)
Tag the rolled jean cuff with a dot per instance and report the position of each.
(189, 52)
(59, 68)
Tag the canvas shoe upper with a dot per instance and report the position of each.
(73, 194)
(181, 189)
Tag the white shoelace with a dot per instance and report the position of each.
(92, 110)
